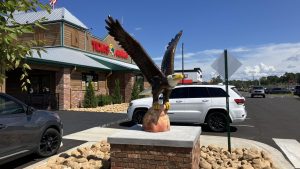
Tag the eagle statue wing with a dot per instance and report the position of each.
(148, 68)
(167, 65)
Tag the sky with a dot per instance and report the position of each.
(264, 35)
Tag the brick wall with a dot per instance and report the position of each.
(2, 86)
(126, 84)
(144, 156)
(63, 86)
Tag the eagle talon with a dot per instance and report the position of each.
(156, 106)
(168, 105)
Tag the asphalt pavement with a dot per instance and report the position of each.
(273, 117)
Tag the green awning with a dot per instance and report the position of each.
(114, 65)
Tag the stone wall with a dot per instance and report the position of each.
(146, 156)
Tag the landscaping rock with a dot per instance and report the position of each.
(213, 157)
(113, 108)
(97, 156)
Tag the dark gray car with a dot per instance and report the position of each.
(25, 130)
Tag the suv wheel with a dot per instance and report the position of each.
(216, 121)
(138, 116)
(49, 143)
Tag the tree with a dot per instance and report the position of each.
(135, 91)
(90, 100)
(216, 80)
(117, 97)
(13, 53)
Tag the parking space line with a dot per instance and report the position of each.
(291, 149)
(242, 125)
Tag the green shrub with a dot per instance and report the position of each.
(116, 96)
(135, 91)
(104, 100)
(90, 100)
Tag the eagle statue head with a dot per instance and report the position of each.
(174, 79)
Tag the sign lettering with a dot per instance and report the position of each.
(106, 49)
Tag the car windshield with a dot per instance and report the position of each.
(260, 88)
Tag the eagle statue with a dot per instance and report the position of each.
(161, 80)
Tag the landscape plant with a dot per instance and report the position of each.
(90, 100)
(116, 96)
(104, 100)
(135, 91)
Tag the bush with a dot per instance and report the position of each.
(90, 100)
(104, 100)
(116, 96)
(135, 91)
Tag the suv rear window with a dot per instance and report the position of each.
(236, 91)
(216, 92)
(198, 92)
(179, 93)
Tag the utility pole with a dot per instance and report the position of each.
(182, 62)
(227, 101)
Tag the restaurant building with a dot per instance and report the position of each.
(74, 56)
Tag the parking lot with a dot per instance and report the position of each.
(276, 116)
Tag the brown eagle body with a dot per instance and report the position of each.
(156, 77)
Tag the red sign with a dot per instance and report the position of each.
(121, 54)
(100, 47)
(104, 48)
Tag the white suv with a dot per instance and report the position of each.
(197, 104)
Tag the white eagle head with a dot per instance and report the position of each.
(174, 79)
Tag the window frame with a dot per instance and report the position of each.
(202, 87)
(212, 96)
(21, 105)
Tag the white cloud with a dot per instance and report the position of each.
(262, 60)
(259, 70)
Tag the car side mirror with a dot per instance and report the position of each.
(29, 110)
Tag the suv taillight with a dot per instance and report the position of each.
(239, 101)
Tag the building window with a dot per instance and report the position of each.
(89, 77)
(75, 38)
(40, 84)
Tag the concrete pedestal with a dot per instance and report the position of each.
(135, 148)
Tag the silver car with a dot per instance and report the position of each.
(25, 130)
(258, 91)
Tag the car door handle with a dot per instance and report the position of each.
(205, 100)
(2, 126)
(179, 101)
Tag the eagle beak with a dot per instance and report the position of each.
(178, 76)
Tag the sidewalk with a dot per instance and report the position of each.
(98, 133)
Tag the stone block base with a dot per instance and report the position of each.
(177, 148)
